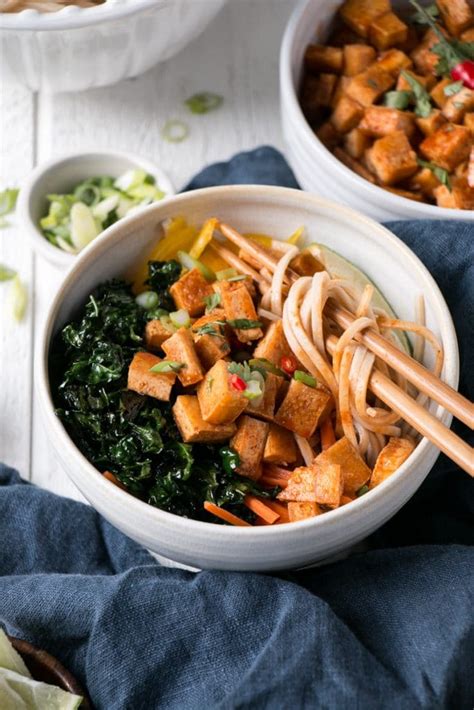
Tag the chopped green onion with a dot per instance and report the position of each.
(253, 390)
(452, 89)
(147, 300)
(213, 328)
(244, 323)
(6, 274)
(167, 366)
(132, 178)
(440, 173)
(180, 319)
(8, 198)
(204, 102)
(165, 321)
(189, 262)
(397, 99)
(423, 105)
(212, 301)
(362, 490)
(19, 296)
(175, 131)
(83, 226)
(226, 274)
(240, 277)
(305, 378)
(265, 365)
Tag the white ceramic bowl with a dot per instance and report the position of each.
(316, 169)
(276, 211)
(80, 48)
(60, 176)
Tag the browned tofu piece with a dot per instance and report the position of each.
(303, 407)
(430, 124)
(390, 458)
(220, 403)
(340, 90)
(457, 15)
(379, 121)
(325, 89)
(266, 408)
(411, 41)
(156, 334)
(347, 114)
(319, 58)
(280, 447)
(302, 511)
(249, 442)
(357, 57)
(408, 194)
(368, 86)
(458, 105)
(353, 164)
(273, 345)
(328, 135)
(393, 61)
(190, 291)
(210, 349)
(387, 30)
(463, 168)
(425, 182)
(238, 304)
(448, 146)
(470, 169)
(469, 122)
(356, 142)
(437, 92)
(460, 197)
(355, 472)
(153, 384)
(329, 484)
(360, 14)
(393, 158)
(191, 425)
(403, 85)
(424, 59)
(306, 264)
(301, 486)
(180, 348)
(310, 97)
(468, 35)
(216, 315)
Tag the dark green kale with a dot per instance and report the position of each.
(161, 275)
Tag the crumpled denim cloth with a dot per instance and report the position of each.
(391, 627)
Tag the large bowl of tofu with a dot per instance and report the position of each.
(251, 210)
(370, 116)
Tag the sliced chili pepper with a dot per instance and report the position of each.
(464, 71)
(238, 383)
(288, 364)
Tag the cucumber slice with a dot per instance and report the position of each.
(338, 266)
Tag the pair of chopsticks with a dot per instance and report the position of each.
(425, 381)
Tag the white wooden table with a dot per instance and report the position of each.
(237, 57)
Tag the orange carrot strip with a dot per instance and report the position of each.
(113, 479)
(270, 482)
(279, 508)
(276, 472)
(225, 515)
(257, 506)
(328, 437)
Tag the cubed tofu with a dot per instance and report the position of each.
(356, 142)
(393, 61)
(153, 384)
(437, 92)
(468, 35)
(359, 14)
(457, 15)
(448, 146)
(469, 123)
(303, 407)
(301, 486)
(357, 57)
(328, 135)
(191, 425)
(211, 348)
(407, 194)
(249, 442)
(355, 472)
(340, 90)
(326, 85)
(379, 121)
(387, 30)
(329, 484)
(458, 105)
(424, 181)
(470, 169)
(403, 84)
(411, 41)
(216, 315)
(393, 158)
(424, 59)
(460, 197)
(346, 115)
(280, 447)
(319, 58)
(390, 458)
(190, 291)
(310, 97)
(368, 86)
(273, 345)
(430, 124)
(220, 403)
(180, 348)
(266, 408)
(302, 511)
(306, 264)
(238, 304)
(353, 164)
(156, 334)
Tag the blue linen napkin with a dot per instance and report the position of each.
(391, 627)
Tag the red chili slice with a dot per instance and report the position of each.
(238, 383)
(288, 364)
(464, 71)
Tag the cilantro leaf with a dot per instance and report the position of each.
(422, 98)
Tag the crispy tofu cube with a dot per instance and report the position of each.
(430, 124)
(461, 196)
(408, 194)
(448, 146)
(424, 181)
(340, 90)
(156, 334)
(320, 58)
(355, 472)
(280, 447)
(356, 142)
(368, 86)
(301, 486)
(306, 264)
(353, 164)
(220, 403)
(411, 41)
(387, 30)
(470, 169)
(302, 511)
(180, 348)
(329, 484)
(211, 348)
(346, 114)
(469, 122)
(217, 314)
(326, 85)
(390, 458)
(360, 14)
(328, 135)
(310, 98)
(249, 442)
(458, 105)
(437, 92)
(394, 61)
(357, 57)
(273, 345)
(379, 121)
(403, 85)
(153, 384)
(238, 304)
(457, 15)
(190, 291)
(468, 35)
(266, 408)
(191, 425)
(424, 59)
(303, 407)
(393, 158)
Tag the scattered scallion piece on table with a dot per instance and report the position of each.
(8, 198)
(6, 274)
(175, 131)
(19, 296)
(204, 102)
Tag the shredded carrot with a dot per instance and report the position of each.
(328, 437)
(113, 479)
(279, 508)
(225, 515)
(276, 472)
(257, 506)
(271, 481)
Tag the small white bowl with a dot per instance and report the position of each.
(61, 175)
(315, 167)
(268, 210)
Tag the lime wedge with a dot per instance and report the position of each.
(11, 659)
(338, 266)
(20, 693)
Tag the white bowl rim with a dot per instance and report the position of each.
(27, 189)
(188, 525)
(393, 202)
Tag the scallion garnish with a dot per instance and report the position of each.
(167, 366)
(147, 300)
(244, 323)
(204, 102)
(6, 274)
(397, 99)
(175, 131)
(8, 198)
(362, 490)
(19, 296)
(305, 378)
(212, 301)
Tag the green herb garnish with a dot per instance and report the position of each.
(8, 198)
(263, 365)
(362, 490)
(212, 301)
(204, 102)
(175, 131)
(305, 378)
(419, 17)
(452, 89)
(244, 323)
(19, 296)
(397, 99)
(422, 98)
(6, 274)
(214, 328)
(167, 366)
(440, 173)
